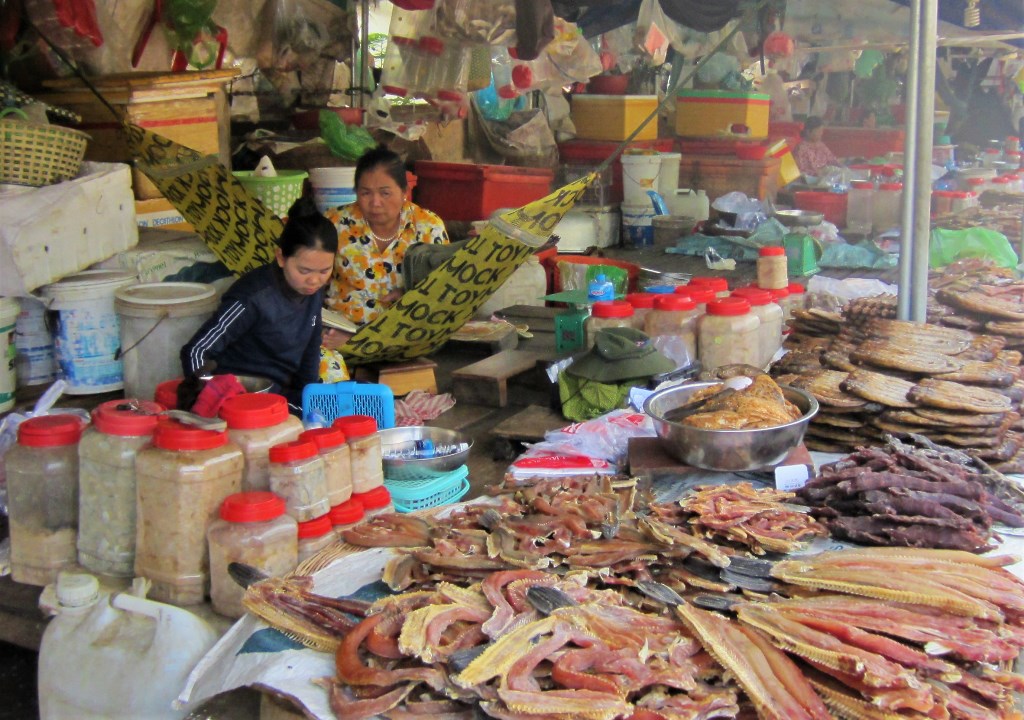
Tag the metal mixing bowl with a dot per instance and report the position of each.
(399, 439)
(727, 449)
(799, 218)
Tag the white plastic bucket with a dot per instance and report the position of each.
(34, 363)
(87, 337)
(332, 177)
(639, 175)
(668, 175)
(637, 226)
(9, 309)
(156, 320)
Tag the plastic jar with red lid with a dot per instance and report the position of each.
(770, 314)
(254, 529)
(333, 447)
(107, 484)
(375, 502)
(728, 334)
(887, 206)
(672, 327)
(183, 478)
(166, 393)
(701, 296)
(366, 453)
(42, 497)
(297, 475)
(346, 516)
(256, 422)
(315, 535)
(719, 284)
(607, 314)
(642, 304)
(772, 267)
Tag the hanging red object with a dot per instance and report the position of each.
(80, 16)
(779, 45)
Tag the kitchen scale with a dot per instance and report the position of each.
(802, 250)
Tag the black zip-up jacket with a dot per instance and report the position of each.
(262, 327)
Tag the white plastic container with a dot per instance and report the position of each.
(116, 658)
(88, 333)
(638, 225)
(639, 175)
(9, 311)
(257, 422)
(365, 448)
(887, 206)
(859, 217)
(729, 334)
(771, 316)
(584, 227)
(156, 320)
(526, 286)
(692, 203)
(34, 362)
(297, 475)
(668, 175)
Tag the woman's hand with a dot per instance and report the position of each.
(334, 339)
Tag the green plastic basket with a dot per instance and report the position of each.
(277, 193)
(412, 495)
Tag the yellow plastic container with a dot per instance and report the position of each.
(788, 170)
(708, 113)
(614, 117)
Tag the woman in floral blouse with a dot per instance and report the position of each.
(374, 234)
(812, 154)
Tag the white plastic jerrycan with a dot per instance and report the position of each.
(691, 203)
(116, 657)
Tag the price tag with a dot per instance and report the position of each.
(791, 477)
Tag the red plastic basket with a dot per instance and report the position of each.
(466, 192)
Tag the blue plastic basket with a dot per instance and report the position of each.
(335, 400)
(411, 495)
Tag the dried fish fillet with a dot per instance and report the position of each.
(954, 396)
(981, 373)
(825, 386)
(983, 303)
(898, 356)
(948, 341)
(958, 419)
(1006, 327)
(880, 388)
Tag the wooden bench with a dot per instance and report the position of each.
(486, 382)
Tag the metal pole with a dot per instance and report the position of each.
(364, 51)
(929, 22)
(908, 239)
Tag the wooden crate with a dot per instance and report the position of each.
(721, 174)
(189, 108)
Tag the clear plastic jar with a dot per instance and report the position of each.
(453, 73)
(859, 207)
(976, 185)
(728, 334)
(770, 315)
(886, 210)
(252, 529)
(1003, 184)
(672, 327)
(719, 285)
(797, 299)
(781, 297)
(107, 485)
(365, 449)
(334, 450)
(990, 157)
(42, 497)
(297, 475)
(942, 202)
(642, 304)
(183, 477)
(701, 296)
(375, 502)
(346, 516)
(257, 422)
(964, 200)
(772, 267)
(607, 314)
(315, 535)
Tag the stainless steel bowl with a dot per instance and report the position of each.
(403, 440)
(727, 449)
(799, 218)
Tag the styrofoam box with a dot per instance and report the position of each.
(53, 231)
(583, 227)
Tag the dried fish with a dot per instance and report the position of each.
(955, 396)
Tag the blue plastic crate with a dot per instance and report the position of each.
(335, 400)
(412, 495)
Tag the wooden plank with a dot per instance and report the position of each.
(462, 416)
(486, 382)
(531, 424)
(402, 378)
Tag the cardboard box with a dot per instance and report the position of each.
(614, 117)
(709, 113)
(160, 213)
(53, 231)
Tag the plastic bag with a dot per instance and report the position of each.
(345, 141)
(948, 246)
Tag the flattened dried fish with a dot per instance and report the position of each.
(897, 355)
(824, 385)
(954, 396)
(959, 419)
(1006, 327)
(948, 341)
(979, 302)
(879, 388)
(982, 373)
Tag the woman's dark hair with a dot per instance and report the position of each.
(380, 158)
(307, 228)
(811, 124)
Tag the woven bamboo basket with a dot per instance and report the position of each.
(35, 154)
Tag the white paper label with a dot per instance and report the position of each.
(790, 477)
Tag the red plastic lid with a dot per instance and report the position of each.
(715, 283)
(992, 151)
(772, 251)
(862, 184)
(395, 90)
(1002, 180)
(50, 431)
(975, 181)
(107, 418)
(778, 294)
(755, 296)
(251, 507)
(508, 91)
(971, 194)
(254, 410)
(431, 45)
(522, 76)
(795, 288)
(702, 296)
(944, 193)
(317, 527)
(291, 451)
(173, 435)
(346, 513)
(324, 438)
(960, 195)
(167, 393)
(641, 300)
(890, 186)
(377, 498)
(356, 425)
(612, 309)
(453, 96)
(402, 40)
(729, 306)
(674, 302)
(684, 290)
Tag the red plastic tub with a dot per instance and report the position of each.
(831, 205)
(465, 192)
(593, 152)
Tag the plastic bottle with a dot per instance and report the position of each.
(315, 535)
(257, 421)
(728, 334)
(859, 213)
(337, 457)
(399, 59)
(366, 453)
(607, 314)
(297, 475)
(600, 289)
(672, 327)
(42, 497)
(772, 272)
(118, 658)
(771, 316)
(107, 484)
(502, 66)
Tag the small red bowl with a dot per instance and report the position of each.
(750, 151)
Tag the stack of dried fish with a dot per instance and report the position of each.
(899, 495)
(1005, 217)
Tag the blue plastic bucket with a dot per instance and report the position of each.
(87, 338)
(637, 226)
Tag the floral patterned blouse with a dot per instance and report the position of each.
(362, 274)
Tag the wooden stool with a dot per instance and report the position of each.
(402, 378)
